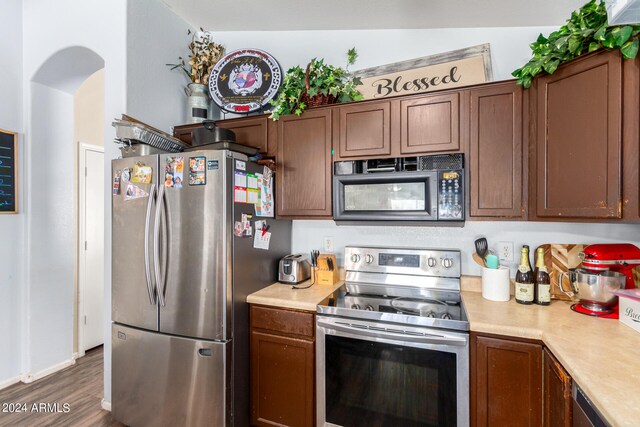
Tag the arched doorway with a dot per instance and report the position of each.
(52, 214)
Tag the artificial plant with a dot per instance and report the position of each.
(587, 30)
(204, 53)
(324, 80)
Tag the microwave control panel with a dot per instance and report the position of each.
(450, 195)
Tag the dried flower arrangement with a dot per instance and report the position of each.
(204, 54)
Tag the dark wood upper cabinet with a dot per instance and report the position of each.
(364, 130)
(430, 124)
(557, 393)
(631, 139)
(303, 180)
(577, 147)
(495, 157)
(282, 367)
(506, 382)
(251, 131)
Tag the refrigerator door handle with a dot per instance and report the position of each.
(147, 266)
(156, 247)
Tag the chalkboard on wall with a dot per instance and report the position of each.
(8, 172)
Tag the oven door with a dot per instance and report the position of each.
(375, 374)
(386, 196)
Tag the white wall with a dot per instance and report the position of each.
(50, 27)
(51, 228)
(308, 235)
(156, 37)
(88, 111)
(11, 226)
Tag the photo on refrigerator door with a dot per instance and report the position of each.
(197, 174)
(174, 172)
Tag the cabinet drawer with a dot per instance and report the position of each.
(283, 321)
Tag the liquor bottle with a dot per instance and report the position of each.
(543, 281)
(524, 278)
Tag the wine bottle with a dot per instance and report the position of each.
(543, 280)
(524, 278)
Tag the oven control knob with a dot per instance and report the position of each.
(355, 258)
(369, 307)
(431, 314)
(446, 316)
(368, 258)
(447, 262)
(431, 262)
(355, 306)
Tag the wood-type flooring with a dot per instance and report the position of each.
(70, 398)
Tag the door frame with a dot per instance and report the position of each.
(82, 219)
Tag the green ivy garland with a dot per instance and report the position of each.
(324, 79)
(586, 31)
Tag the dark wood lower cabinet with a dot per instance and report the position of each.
(506, 382)
(282, 367)
(557, 393)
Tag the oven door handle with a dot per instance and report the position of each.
(431, 337)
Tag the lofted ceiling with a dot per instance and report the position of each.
(284, 15)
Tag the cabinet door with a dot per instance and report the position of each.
(495, 158)
(430, 123)
(557, 393)
(506, 386)
(578, 142)
(304, 165)
(364, 130)
(282, 380)
(249, 131)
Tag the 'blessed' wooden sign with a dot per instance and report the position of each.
(461, 67)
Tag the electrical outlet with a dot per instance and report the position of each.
(327, 245)
(505, 251)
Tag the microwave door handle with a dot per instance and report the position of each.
(385, 169)
(156, 247)
(147, 226)
(427, 338)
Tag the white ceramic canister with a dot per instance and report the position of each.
(496, 285)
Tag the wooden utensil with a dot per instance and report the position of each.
(477, 259)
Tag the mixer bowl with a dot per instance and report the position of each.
(594, 290)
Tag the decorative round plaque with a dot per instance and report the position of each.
(244, 80)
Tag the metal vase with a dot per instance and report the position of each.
(198, 103)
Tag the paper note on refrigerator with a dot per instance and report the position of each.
(240, 195)
(261, 240)
(252, 181)
(253, 196)
(240, 180)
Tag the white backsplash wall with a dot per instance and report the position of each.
(308, 235)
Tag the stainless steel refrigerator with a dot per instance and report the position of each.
(180, 278)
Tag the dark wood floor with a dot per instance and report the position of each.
(80, 386)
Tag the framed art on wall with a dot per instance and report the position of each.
(8, 172)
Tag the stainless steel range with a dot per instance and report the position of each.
(393, 348)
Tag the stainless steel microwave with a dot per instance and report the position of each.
(423, 188)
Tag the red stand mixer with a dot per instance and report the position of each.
(606, 262)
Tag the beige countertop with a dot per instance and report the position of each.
(601, 355)
(284, 296)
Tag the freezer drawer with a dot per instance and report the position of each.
(163, 380)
